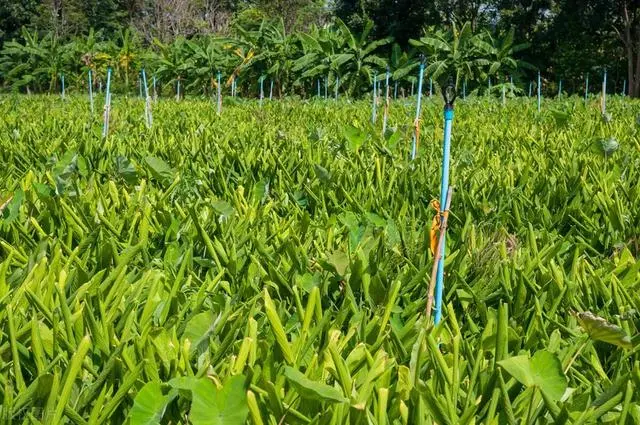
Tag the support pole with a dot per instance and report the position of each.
(416, 124)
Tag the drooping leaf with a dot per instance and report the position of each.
(543, 371)
(313, 390)
(600, 329)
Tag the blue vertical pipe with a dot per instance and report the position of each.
(326, 87)
(430, 87)
(412, 89)
(386, 103)
(624, 88)
(395, 90)
(489, 85)
(530, 85)
(538, 91)
(140, 85)
(271, 90)
(373, 109)
(155, 93)
(318, 88)
(107, 103)
(414, 141)
(560, 89)
(604, 93)
(91, 91)
(219, 96)
(261, 90)
(586, 88)
(62, 78)
(336, 87)
(147, 99)
(444, 187)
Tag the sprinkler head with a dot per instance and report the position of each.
(449, 93)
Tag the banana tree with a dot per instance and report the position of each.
(172, 62)
(453, 54)
(402, 64)
(208, 55)
(126, 54)
(18, 61)
(358, 60)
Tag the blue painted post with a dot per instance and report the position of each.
(178, 90)
(538, 91)
(504, 97)
(586, 89)
(261, 90)
(271, 90)
(530, 86)
(336, 87)
(604, 92)
(560, 89)
(386, 104)
(140, 86)
(624, 88)
(326, 88)
(62, 78)
(91, 91)
(155, 92)
(430, 87)
(373, 110)
(412, 89)
(219, 100)
(147, 101)
(395, 90)
(414, 142)
(318, 88)
(444, 188)
(489, 86)
(107, 105)
(511, 82)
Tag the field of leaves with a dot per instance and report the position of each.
(270, 265)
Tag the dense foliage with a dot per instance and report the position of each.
(270, 264)
(568, 38)
(331, 56)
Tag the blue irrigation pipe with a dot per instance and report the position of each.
(155, 93)
(604, 93)
(414, 141)
(91, 92)
(219, 95)
(489, 86)
(395, 90)
(412, 88)
(326, 87)
(530, 86)
(147, 101)
(374, 100)
(430, 87)
(538, 91)
(107, 105)
(62, 78)
(140, 85)
(336, 88)
(586, 88)
(386, 104)
(261, 90)
(318, 88)
(271, 91)
(560, 89)
(624, 88)
(449, 98)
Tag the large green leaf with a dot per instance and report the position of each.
(213, 406)
(543, 371)
(149, 405)
(159, 169)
